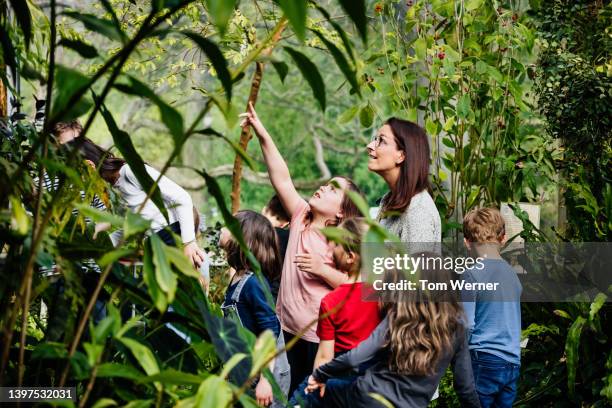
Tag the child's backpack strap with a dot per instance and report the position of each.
(238, 290)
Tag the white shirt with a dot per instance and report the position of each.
(176, 200)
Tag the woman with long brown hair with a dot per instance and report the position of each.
(422, 334)
(399, 153)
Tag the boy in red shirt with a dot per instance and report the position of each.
(345, 318)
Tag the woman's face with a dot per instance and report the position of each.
(327, 200)
(383, 152)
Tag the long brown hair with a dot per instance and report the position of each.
(107, 164)
(423, 324)
(414, 170)
(347, 207)
(260, 238)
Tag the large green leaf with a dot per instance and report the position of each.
(356, 9)
(160, 300)
(463, 106)
(341, 61)
(214, 392)
(170, 116)
(134, 224)
(68, 82)
(118, 370)
(142, 354)
(176, 257)
(24, 18)
(123, 142)
(296, 12)
(311, 73)
(572, 344)
(345, 40)
(99, 25)
(84, 50)
(8, 51)
(221, 11)
(216, 58)
(281, 69)
(172, 376)
(163, 272)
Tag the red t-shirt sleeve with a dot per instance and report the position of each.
(325, 327)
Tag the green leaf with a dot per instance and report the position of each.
(172, 376)
(84, 50)
(345, 40)
(50, 350)
(160, 300)
(366, 116)
(134, 224)
(69, 82)
(163, 273)
(24, 18)
(281, 69)
(93, 351)
(231, 363)
(143, 354)
(356, 9)
(295, 11)
(348, 115)
(463, 106)
(265, 347)
(180, 261)
(597, 304)
(420, 49)
(341, 61)
(216, 58)
(572, 344)
(237, 149)
(360, 202)
(170, 116)
(471, 200)
(104, 403)
(101, 26)
(8, 51)
(20, 222)
(448, 142)
(213, 392)
(431, 127)
(311, 73)
(221, 11)
(99, 216)
(114, 255)
(471, 5)
(123, 142)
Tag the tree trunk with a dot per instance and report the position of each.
(245, 134)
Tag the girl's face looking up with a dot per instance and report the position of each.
(327, 200)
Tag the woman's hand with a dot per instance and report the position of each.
(310, 263)
(194, 253)
(251, 119)
(313, 385)
(263, 392)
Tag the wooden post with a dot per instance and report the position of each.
(245, 134)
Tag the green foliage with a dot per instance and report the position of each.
(574, 82)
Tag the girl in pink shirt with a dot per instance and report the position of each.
(308, 270)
